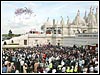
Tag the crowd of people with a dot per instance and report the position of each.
(50, 59)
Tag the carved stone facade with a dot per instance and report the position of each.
(87, 24)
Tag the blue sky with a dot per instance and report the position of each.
(42, 10)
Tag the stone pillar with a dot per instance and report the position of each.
(62, 23)
(53, 31)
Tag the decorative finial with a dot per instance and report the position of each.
(78, 10)
(68, 20)
(61, 17)
(97, 9)
(85, 14)
(57, 22)
(78, 13)
(62, 21)
(68, 17)
(47, 19)
(91, 9)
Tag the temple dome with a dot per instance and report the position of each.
(78, 20)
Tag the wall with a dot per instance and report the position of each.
(65, 41)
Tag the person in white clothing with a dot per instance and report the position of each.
(50, 60)
(96, 68)
(6, 62)
(17, 71)
(54, 71)
(91, 69)
(62, 63)
(96, 62)
(83, 62)
(63, 69)
(25, 68)
(22, 63)
(85, 70)
(46, 70)
(57, 58)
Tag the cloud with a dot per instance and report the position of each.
(7, 5)
(42, 10)
(33, 5)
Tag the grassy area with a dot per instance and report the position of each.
(5, 35)
(14, 35)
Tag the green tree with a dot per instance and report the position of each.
(10, 34)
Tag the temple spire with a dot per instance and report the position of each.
(96, 15)
(53, 21)
(97, 10)
(57, 22)
(78, 13)
(47, 19)
(67, 20)
(91, 9)
(61, 18)
(62, 21)
(85, 15)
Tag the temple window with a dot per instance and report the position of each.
(25, 42)
(59, 31)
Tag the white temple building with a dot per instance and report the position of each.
(82, 31)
